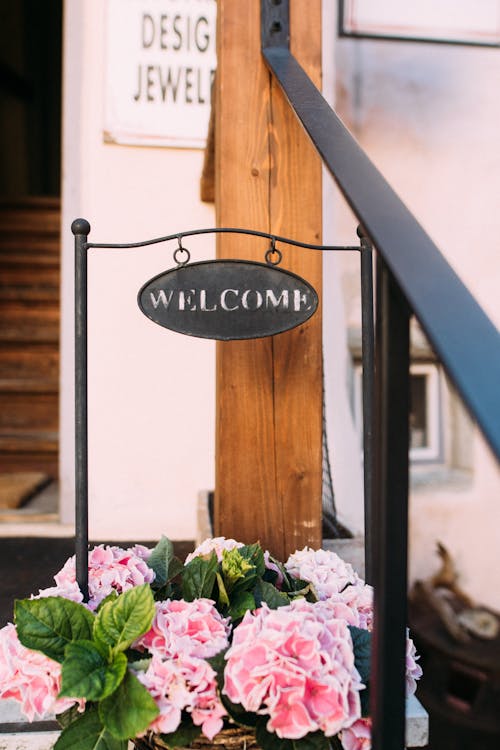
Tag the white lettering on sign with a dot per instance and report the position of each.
(223, 299)
(162, 297)
(273, 301)
(161, 61)
(229, 300)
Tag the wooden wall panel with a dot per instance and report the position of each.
(269, 391)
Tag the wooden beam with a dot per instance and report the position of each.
(269, 391)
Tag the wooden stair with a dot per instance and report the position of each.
(29, 334)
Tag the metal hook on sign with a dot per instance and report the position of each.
(273, 250)
(181, 249)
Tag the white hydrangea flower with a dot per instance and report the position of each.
(325, 570)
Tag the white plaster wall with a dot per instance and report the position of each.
(151, 392)
(342, 437)
(428, 117)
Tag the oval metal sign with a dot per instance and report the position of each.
(228, 299)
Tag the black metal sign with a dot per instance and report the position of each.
(228, 299)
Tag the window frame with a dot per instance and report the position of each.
(433, 451)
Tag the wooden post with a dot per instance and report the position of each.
(269, 391)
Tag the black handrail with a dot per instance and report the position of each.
(412, 277)
(459, 331)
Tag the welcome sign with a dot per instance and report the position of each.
(228, 299)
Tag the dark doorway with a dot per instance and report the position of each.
(30, 169)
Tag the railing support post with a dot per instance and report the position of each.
(81, 229)
(368, 375)
(390, 513)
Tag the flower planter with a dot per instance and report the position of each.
(170, 654)
(235, 738)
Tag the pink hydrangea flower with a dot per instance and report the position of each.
(325, 570)
(68, 590)
(358, 736)
(359, 597)
(181, 627)
(413, 670)
(30, 678)
(333, 608)
(297, 667)
(183, 684)
(216, 544)
(110, 568)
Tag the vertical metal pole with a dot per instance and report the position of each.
(81, 229)
(390, 514)
(368, 362)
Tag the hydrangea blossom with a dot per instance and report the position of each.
(183, 634)
(30, 678)
(358, 735)
(296, 667)
(413, 670)
(325, 570)
(110, 568)
(335, 584)
(216, 544)
(330, 609)
(181, 627)
(359, 598)
(186, 683)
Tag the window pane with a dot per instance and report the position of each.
(418, 412)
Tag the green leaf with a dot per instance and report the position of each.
(361, 641)
(129, 711)
(266, 592)
(87, 673)
(235, 567)
(185, 733)
(254, 554)
(218, 664)
(121, 621)
(164, 563)
(199, 578)
(223, 598)
(88, 733)
(270, 741)
(312, 741)
(69, 716)
(139, 665)
(238, 713)
(109, 598)
(273, 575)
(365, 702)
(240, 603)
(50, 623)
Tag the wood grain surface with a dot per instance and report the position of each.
(269, 391)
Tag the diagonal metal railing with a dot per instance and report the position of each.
(412, 278)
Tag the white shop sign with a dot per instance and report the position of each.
(459, 21)
(160, 62)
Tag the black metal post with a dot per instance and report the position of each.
(368, 363)
(81, 229)
(390, 513)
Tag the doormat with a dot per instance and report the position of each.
(17, 488)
